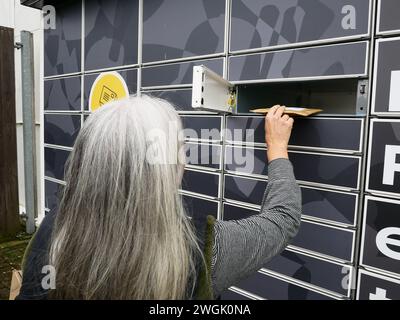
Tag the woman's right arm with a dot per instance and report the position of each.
(241, 247)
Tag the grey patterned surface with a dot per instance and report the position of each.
(310, 270)
(62, 45)
(261, 285)
(259, 23)
(325, 240)
(111, 33)
(176, 73)
(182, 28)
(63, 94)
(389, 17)
(54, 162)
(324, 61)
(61, 129)
(327, 133)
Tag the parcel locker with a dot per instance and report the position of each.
(181, 99)
(271, 288)
(202, 128)
(325, 240)
(176, 74)
(54, 162)
(330, 206)
(200, 182)
(380, 236)
(386, 94)
(203, 155)
(62, 44)
(111, 33)
(331, 61)
(62, 94)
(345, 96)
(174, 29)
(61, 129)
(373, 286)
(388, 19)
(242, 189)
(267, 24)
(383, 172)
(343, 134)
(52, 195)
(315, 168)
(128, 75)
(198, 208)
(318, 272)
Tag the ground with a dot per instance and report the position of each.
(11, 253)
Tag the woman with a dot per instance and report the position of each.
(121, 231)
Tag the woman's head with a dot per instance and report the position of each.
(121, 230)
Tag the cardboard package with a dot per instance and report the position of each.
(304, 112)
(16, 282)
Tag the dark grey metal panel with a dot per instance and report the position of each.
(202, 127)
(61, 129)
(181, 99)
(62, 45)
(111, 33)
(322, 204)
(258, 23)
(274, 289)
(315, 237)
(389, 15)
(309, 167)
(201, 182)
(244, 189)
(334, 206)
(314, 271)
(129, 75)
(54, 162)
(52, 195)
(344, 134)
(199, 208)
(177, 73)
(62, 94)
(380, 244)
(325, 169)
(236, 213)
(326, 240)
(206, 155)
(333, 60)
(376, 287)
(386, 65)
(176, 29)
(384, 133)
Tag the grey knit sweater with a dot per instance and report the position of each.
(241, 247)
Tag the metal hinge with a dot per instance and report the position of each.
(18, 45)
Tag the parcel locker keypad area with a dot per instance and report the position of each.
(334, 53)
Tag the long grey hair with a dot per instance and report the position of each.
(121, 231)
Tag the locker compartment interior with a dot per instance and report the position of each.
(334, 97)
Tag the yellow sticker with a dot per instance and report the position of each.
(107, 87)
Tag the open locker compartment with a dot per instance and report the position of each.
(336, 97)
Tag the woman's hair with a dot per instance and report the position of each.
(121, 231)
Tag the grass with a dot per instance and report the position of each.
(11, 253)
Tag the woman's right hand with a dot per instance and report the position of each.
(278, 127)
